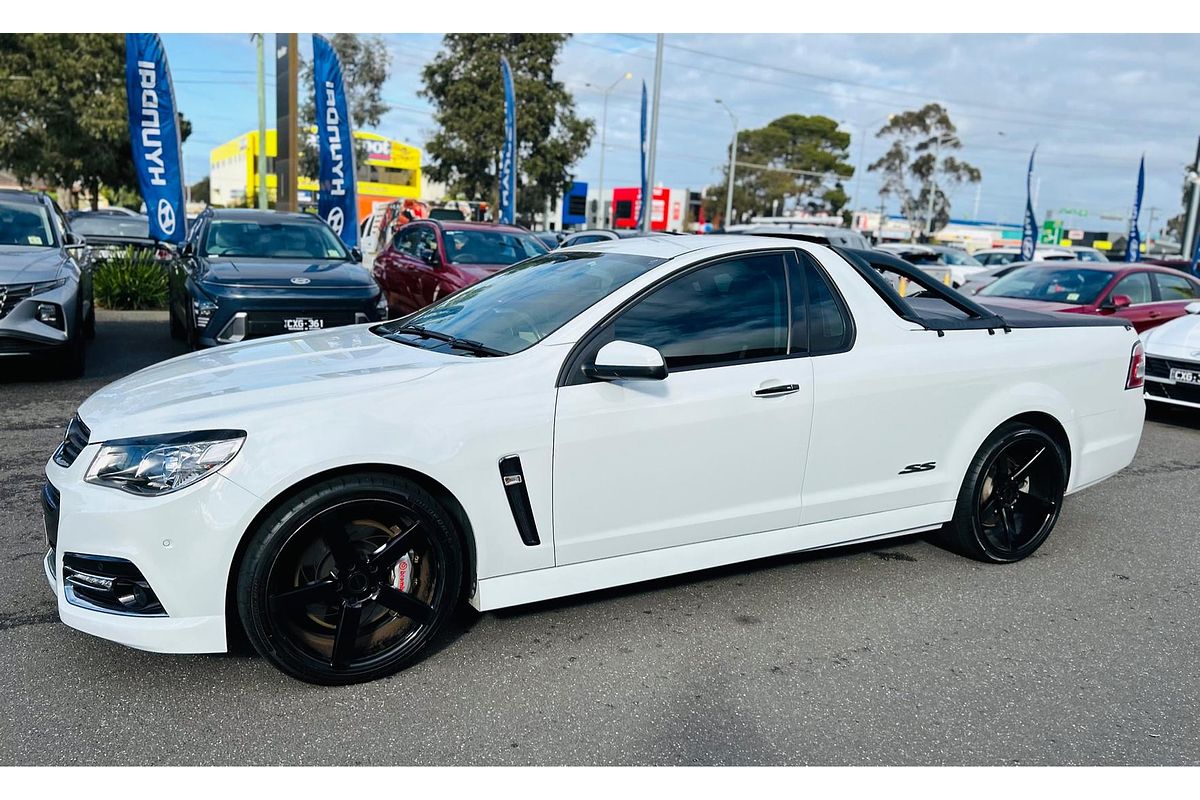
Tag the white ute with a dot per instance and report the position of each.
(594, 416)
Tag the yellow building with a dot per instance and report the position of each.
(390, 170)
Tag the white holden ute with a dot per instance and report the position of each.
(599, 415)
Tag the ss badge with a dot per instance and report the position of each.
(923, 467)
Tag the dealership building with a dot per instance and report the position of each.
(391, 170)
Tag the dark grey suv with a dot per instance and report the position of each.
(46, 308)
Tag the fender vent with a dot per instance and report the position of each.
(513, 480)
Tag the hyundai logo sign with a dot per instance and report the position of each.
(301, 281)
(166, 216)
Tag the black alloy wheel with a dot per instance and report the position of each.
(1011, 498)
(351, 581)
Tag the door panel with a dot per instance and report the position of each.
(640, 465)
(716, 449)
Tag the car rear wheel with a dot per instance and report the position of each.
(350, 580)
(1011, 497)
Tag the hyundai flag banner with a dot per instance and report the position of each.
(1133, 242)
(154, 136)
(644, 198)
(336, 203)
(508, 155)
(1029, 232)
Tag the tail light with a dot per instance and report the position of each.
(163, 253)
(1137, 367)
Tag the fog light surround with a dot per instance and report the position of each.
(50, 314)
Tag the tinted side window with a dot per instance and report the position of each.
(725, 313)
(829, 327)
(1174, 287)
(1135, 286)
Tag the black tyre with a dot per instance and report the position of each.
(1011, 497)
(71, 357)
(350, 580)
(178, 331)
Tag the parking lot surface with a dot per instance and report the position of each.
(896, 653)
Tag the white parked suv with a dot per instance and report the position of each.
(591, 417)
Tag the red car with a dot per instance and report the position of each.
(428, 259)
(1144, 294)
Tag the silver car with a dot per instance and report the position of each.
(46, 308)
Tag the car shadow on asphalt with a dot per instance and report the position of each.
(1178, 416)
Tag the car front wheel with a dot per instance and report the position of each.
(350, 580)
(1011, 497)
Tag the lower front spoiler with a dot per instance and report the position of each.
(155, 634)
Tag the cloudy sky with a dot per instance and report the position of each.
(1092, 103)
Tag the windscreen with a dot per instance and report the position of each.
(111, 225)
(1072, 285)
(490, 247)
(520, 306)
(251, 239)
(25, 224)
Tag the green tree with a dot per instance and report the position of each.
(200, 190)
(366, 62)
(794, 161)
(920, 165)
(464, 84)
(63, 117)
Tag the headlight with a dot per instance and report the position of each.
(162, 464)
(46, 286)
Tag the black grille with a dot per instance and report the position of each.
(271, 323)
(11, 295)
(73, 443)
(1161, 367)
(1184, 392)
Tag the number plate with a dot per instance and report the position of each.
(1185, 376)
(302, 324)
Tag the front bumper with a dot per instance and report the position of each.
(1161, 388)
(243, 315)
(22, 334)
(183, 543)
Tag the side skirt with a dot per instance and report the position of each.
(545, 584)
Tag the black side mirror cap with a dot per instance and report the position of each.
(356, 255)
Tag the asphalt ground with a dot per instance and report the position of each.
(896, 653)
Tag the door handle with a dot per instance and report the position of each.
(775, 391)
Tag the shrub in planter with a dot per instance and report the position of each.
(130, 281)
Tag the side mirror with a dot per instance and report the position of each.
(1118, 301)
(1192, 308)
(189, 250)
(74, 241)
(430, 257)
(356, 255)
(620, 360)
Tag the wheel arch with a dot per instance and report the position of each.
(1050, 425)
(233, 623)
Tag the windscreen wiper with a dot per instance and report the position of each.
(470, 345)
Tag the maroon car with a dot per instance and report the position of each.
(1144, 294)
(428, 259)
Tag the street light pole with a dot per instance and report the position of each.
(732, 165)
(648, 217)
(603, 139)
(262, 127)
